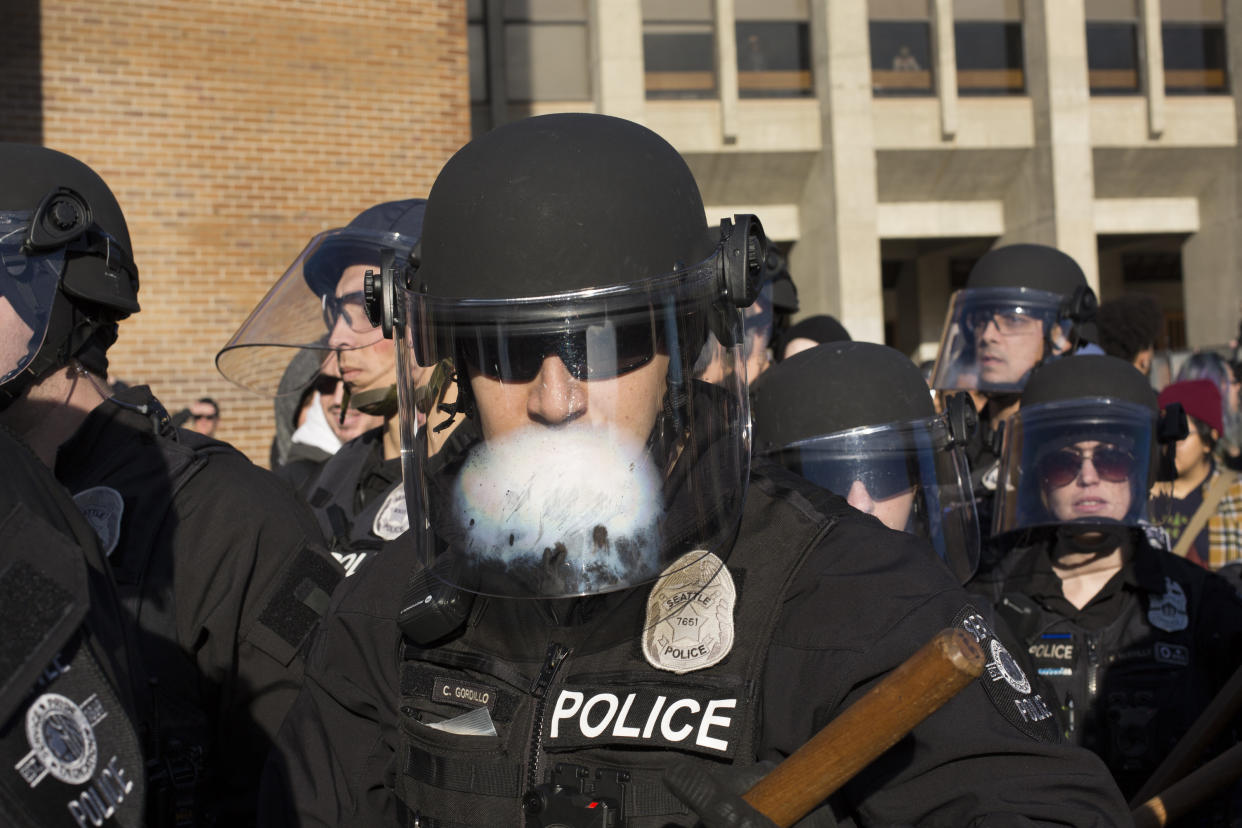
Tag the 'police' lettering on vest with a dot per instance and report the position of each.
(99, 801)
(685, 719)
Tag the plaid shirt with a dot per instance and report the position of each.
(1224, 528)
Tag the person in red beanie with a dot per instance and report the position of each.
(1205, 502)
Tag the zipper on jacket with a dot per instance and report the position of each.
(1093, 669)
(551, 663)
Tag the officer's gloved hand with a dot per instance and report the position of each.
(716, 797)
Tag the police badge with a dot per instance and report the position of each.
(103, 507)
(392, 519)
(690, 614)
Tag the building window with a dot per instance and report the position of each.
(988, 34)
(476, 45)
(901, 47)
(679, 49)
(773, 49)
(546, 53)
(1112, 47)
(1194, 47)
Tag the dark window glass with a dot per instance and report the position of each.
(679, 64)
(1112, 58)
(989, 58)
(1194, 59)
(901, 57)
(773, 59)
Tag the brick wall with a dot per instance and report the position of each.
(231, 132)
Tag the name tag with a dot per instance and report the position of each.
(464, 693)
(680, 718)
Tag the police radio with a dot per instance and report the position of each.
(576, 798)
(432, 610)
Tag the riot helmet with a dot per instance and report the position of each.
(1085, 448)
(68, 274)
(809, 332)
(565, 288)
(768, 317)
(1022, 305)
(857, 419)
(317, 308)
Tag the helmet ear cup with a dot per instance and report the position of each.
(1080, 308)
(61, 217)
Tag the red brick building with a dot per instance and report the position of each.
(231, 132)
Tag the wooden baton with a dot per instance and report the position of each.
(1191, 790)
(868, 727)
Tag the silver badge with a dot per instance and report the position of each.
(62, 739)
(690, 614)
(103, 508)
(392, 520)
(1004, 666)
(1168, 612)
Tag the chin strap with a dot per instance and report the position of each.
(381, 402)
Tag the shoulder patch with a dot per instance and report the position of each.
(392, 520)
(1006, 683)
(689, 622)
(1168, 612)
(103, 507)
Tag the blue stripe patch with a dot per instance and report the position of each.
(1057, 635)
(1055, 671)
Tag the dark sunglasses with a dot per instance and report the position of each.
(520, 358)
(1061, 467)
(883, 477)
(351, 307)
(197, 417)
(325, 385)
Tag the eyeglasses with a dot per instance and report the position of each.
(325, 385)
(618, 349)
(883, 477)
(351, 307)
(1009, 322)
(1061, 467)
(197, 417)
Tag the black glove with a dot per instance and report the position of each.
(716, 797)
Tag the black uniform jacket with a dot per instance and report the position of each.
(221, 571)
(1130, 671)
(69, 751)
(859, 600)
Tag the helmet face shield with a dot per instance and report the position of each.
(569, 446)
(1083, 461)
(993, 338)
(910, 475)
(316, 306)
(28, 284)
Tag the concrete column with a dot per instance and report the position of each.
(1212, 258)
(726, 68)
(498, 93)
(933, 293)
(1051, 199)
(1151, 51)
(616, 28)
(945, 58)
(837, 259)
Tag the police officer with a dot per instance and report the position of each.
(856, 418)
(216, 564)
(70, 752)
(317, 307)
(1022, 305)
(1134, 640)
(688, 607)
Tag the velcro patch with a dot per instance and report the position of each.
(1006, 683)
(688, 719)
(1175, 655)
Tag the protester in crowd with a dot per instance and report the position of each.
(1212, 366)
(1134, 640)
(204, 416)
(1129, 328)
(1205, 501)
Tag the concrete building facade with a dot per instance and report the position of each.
(887, 144)
(231, 132)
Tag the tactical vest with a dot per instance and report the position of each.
(69, 755)
(1128, 691)
(354, 536)
(600, 720)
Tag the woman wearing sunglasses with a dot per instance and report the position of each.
(1132, 640)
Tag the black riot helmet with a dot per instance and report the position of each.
(857, 418)
(68, 275)
(1085, 447)
(1022, 305)
(317, 308)
(588, 321)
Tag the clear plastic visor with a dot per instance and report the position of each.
(28, 284)
(1084, 461)
(909, 475)
(570, 447)
(994, 337)
(313, 314)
